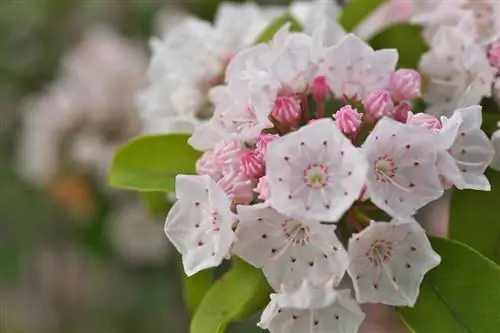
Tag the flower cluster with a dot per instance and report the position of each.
(310, 137)
(191, 58)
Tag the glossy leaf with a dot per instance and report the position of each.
(268, 34)
(406, 38)
(150, 163)
(196, 287)
(355, 11)
(475, 220)
(460, 295)
(156, 203)
(241, 292)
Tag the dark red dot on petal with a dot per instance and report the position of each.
(196, 225)
(264, 236)
(416, 164)
(302, 143)
(375, 286)
(286, 158)
(316, 323)
(273, 250)
(200, 243)
(413, 248)
(259, 219)
(294, 260)
(325, 143)
(408, 265)
(412, 185)
(294, 317)
(337, 317)
(408, 146)
(196, 203)
(311, 263)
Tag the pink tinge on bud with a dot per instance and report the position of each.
(494, 55)
(319, 89)
(348, 119)
(228, 154)
(378, 105)
(286, 110)
(238, 186)
(424, 120)
(262, 143)
(207, 166)
(262, 189)
(252, 164)
(401, 112)
(404, 85)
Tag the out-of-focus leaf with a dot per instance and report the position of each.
(475, 218)
(195, 288)
(156, 203)
(238, 294)
(272, 28)
(491, 115)
(355, 11)
(460, 295)
(150, 163)
(406, 38)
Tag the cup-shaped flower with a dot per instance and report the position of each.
(348, 119)
(402, 175)
(288, 251)
(388, 261)
(424, 120)
(356, 70)
(199, 224)
(404, 85)
(379, 104)
(315, 173)
(312, 308)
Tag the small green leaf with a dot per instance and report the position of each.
(196, 287)
(462, 294)
(156, 203)
(474, 218)
(406, 38)
(355, 11)
(241, 292)
(150, 163)
(274, 26)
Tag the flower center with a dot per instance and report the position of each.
(296, 232)
(380, 251)
(316, 176)
(385, 168)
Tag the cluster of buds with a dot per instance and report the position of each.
(308, 139)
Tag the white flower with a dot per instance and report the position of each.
(288, 251)
(457, 71)
(199, 224)
(402, 174)
(389, 261)
(319, 309)
(314, 173)
(356, 70)
(471, 151)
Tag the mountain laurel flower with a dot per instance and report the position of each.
(228, 154)
(238, 186)
(348, 119)
(378, 104)
(389, 261)
(312, 308)
(286, 110)
(404, 85)
(494, 55)
(200, 223)
(319, 89)
(206, 166)
(252, 164)
(424, 120)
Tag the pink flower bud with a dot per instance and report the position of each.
(286, 110)
(378, 105)
(494, 55)
(404, 85)
(263, 142)
(228, 154)
(348, 119)
(252, 164)
(207, 166)
(424, 120)
(262, 189)
(237, 186)
(401, 112)
(319, 89)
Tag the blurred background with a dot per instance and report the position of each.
(76, 256)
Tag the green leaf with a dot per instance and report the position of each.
(462, 294)
(355, 11)
(242, 291)
(491, 115)
(150, 163)
(156, 203)
(406, 38)
(195, 288)
(474, 218)
(274, 26)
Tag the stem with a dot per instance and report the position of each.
(305, 108)
(320, 110)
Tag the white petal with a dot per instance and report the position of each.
(495, 141)
(389, 261)
(199, 224)
(314, 173)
